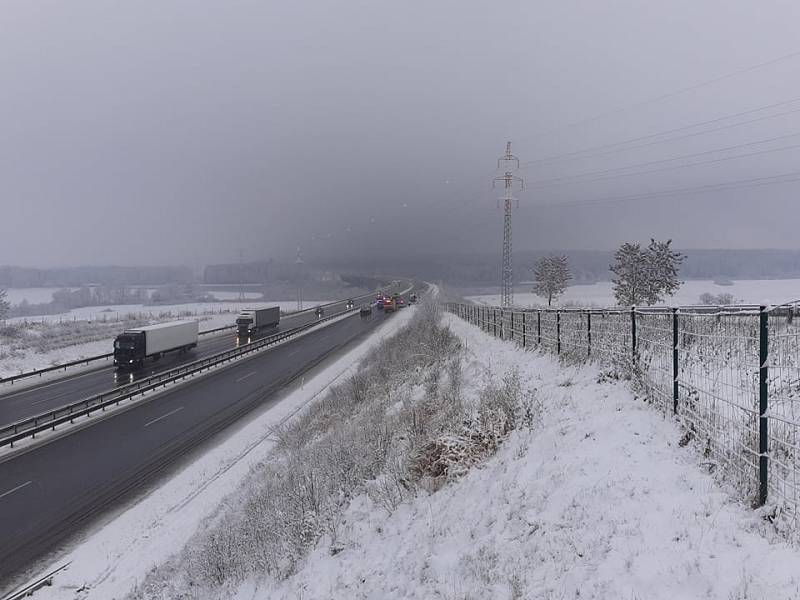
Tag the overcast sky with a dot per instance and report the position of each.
(165, 131)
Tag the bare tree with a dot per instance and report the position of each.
(645, 276)
(551, 274)
(4, 304)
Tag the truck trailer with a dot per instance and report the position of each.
(255, 319)
(133, 346)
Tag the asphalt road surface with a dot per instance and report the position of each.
(52, 491)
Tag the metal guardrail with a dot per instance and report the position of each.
(43, 581)
(30, 426)
(82, 361)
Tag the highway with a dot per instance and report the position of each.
(54, 490)
(37, 399)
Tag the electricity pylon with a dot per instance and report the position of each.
(511, 163)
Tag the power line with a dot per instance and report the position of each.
(579, 177)
(591, 151)
(791, 177)
(672, 94)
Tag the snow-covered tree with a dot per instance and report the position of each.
(551, 275)
(4, 304)
(645, 275)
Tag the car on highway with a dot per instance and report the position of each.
(320, 312)
(412, 299)
(365, 311)
(400, 302)
(350, 303)
(388, 305)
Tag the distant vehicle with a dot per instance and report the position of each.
(365, 310)
(379, 304)
(251, 320)
(320, 312)
(412, 299)
(400, 302)
(389, 305)
(133, 346)
(350, 304)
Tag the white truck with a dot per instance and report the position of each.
(251, 320)
(133, 346)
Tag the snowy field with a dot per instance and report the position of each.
(229, 295)
(116, 312)
(771, 291)
(115, 557)
(32, 295)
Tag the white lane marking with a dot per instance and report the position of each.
(19, 487)
(156, 420)
(293, 353)
(246, 376)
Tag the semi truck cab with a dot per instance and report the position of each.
(129, 349)
(245, 323)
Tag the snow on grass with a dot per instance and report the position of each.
(122, 311)
(32, 295)
(117, 555)
(234, 295)
(595, 500)
(772, 291)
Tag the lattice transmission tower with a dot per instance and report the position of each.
(508, 163)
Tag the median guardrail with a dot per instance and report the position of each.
(30, 426)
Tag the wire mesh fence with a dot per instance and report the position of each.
(729, 375)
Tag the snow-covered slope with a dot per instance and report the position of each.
(596, 501)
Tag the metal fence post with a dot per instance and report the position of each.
(494, 321)
(512, 325)
(633, 333)
(524, 333)
(588, 333)
(763, 405)
(539, 327)
(675, 389)
(558, 332)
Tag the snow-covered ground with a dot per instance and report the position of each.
(116, 556)
(767, 291)
(119, 311)
(597, 501)
(32, 295)
(232, 295)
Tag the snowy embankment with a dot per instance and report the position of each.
(593, 499)
(118, 554)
